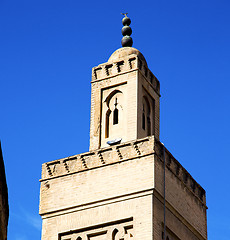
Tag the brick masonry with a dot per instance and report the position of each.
(133, 170)
(117, 192)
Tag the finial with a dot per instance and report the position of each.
(126, 31)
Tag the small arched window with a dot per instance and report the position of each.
(114, 114)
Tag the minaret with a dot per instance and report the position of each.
(125, 97)
(128, 186)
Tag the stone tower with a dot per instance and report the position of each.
(128, 186)
(125, 99)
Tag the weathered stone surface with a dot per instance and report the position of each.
(126, 72)
(117, 192)
(109, 178)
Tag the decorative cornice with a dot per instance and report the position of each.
(128, 64)
(118, 153)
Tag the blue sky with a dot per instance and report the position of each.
(47, 50)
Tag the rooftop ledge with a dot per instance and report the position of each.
(122, 152)
(129, 63)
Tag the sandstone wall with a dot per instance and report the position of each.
(121, 187)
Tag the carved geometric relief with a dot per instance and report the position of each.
(117, 230)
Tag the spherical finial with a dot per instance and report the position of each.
(126, 21)
(126, 31)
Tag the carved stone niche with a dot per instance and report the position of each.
(117, 230)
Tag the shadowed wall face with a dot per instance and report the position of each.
(4, 207)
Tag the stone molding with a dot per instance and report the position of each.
(99, 203)
(98, 158)
(121, 229)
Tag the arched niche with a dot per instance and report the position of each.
(114, 113)
(147, 116)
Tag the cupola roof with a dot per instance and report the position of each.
(123, 52)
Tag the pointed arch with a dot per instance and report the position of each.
(107, 100)
(114, 113)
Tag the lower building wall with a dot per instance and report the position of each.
(121, 200)
(176, 229)
(97, 184)
(181, 199)
(123, 219)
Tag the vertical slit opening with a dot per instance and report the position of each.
(115, 116)
(107, 124)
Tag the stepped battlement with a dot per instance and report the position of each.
(127, 64)
(122, 152)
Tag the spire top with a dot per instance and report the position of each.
(126, 31)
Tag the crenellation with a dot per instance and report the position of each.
(151, 78)
(132, 63)
(177, 168)
(168, 160)
(109, 155)
(101, 157)
(146, 71)
(125, 175)
(180, 172)
(201, 193)
(192, 184)
(54, 168)
(112, 69)
(121, 152)
(66, 166)
(139, 64)
(108, 69)
(98, 158)
(119, 75)
(157, 85)
(98, 73)
(136, 148)
(120, 66)
(185, 176)
(83, 162)
(127, 151)
(74, 164)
